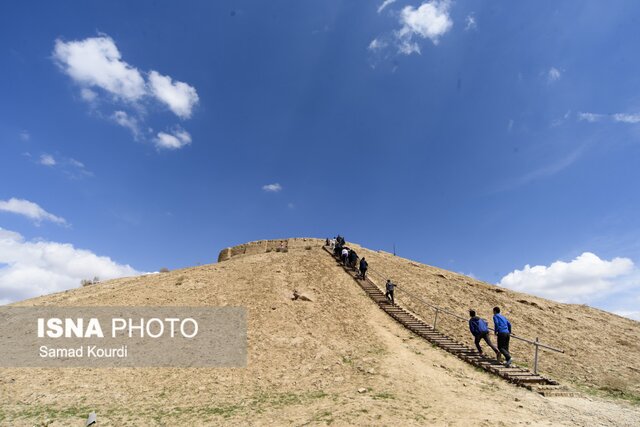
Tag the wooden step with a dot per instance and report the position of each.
(529, 380)
(513, 374)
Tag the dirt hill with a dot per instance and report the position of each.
(308, 359)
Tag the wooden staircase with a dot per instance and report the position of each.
(516, 375)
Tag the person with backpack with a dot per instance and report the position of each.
(363, 268)
(502, 326)
(353, 259)
(345, 256)
(480, 330)
(390, 287)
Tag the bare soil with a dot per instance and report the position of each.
(309, 359)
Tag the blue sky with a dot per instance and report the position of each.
(480, 138)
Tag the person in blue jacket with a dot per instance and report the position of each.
(502, 326)
(480, 330)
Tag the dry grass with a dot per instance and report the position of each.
(307, 359)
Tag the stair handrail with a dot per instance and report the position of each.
(537, 344)
(457, 316)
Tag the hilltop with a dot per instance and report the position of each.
(308, 361)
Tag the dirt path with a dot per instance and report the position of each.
(307, 362)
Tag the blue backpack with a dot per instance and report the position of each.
(482, 326)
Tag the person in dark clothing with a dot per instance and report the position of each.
(502, 326)
(337, 250)
(345, 256)
(390, 287)
(363, 268)
(353, 259)
(480, 330)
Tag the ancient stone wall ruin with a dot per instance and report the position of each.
(275, 245)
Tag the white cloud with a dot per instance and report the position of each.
(47, 160)
(88, 95)
(384, 4)
(553, 74)
(631, 314)
(178, 96)
(429, 21)
(407, 48)
(96, 62)
(69, 166)
(272, 188)
(590, 117)
(377, 44)
(76, 163)
(25, 135)
(32, 268)
(30, 210)
(626, 118)
(470, 22)
(178, 139)
(96, 65)
(631, 118)
(126, 121)
(76, 169)
(581, 280)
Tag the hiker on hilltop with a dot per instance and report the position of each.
(345, 255)
(502, 326)
(363, 268)
(480, 330)
(337, 250)
(390, 287)
(353, 259)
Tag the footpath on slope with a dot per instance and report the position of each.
(516, 375)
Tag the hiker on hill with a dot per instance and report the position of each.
(390, 287)
(353, 259)
(345, 255)
(363, 268)
(337, 250)
(480, 330)
(502, 327)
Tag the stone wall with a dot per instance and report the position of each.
(275, 245)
